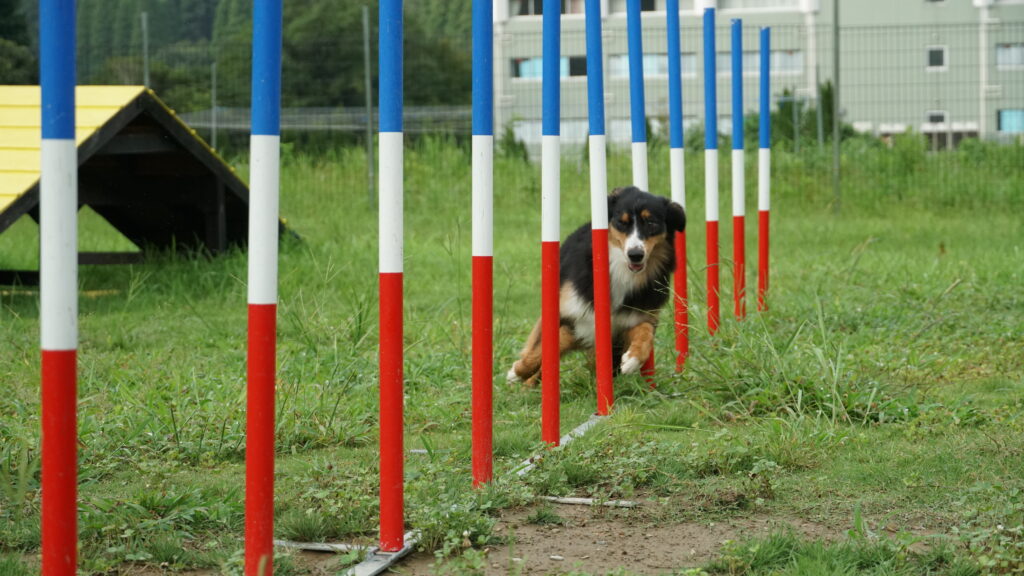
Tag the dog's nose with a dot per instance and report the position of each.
(636, 255)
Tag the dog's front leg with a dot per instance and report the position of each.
(640, 340)
(527, 369)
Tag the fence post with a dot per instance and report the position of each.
(835, 107)
(370, 184)
(145, 49)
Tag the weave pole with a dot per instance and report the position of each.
(711, 167)
(764, 170)
(637, 116)
(391, 269)
(264, 179)
(58, 288)
(550, 232)
(677, 179)
(739, 264)
(599, 210)
(483, 241)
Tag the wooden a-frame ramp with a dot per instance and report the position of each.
(139, 167)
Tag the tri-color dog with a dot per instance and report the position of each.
(641, 256)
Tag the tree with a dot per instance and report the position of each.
(12, 23)
(17, 64)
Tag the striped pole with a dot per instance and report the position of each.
(764, 163)
(264, 178)
(638, 116)
(550, 182)
(599, 210)
(483, 240)
(677, 177)
(739, 268)
(391, 247)
(711, 166)
(58, 293)
(636, 94)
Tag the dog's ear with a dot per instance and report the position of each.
(613, 198)
(675, 216)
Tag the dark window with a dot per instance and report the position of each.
(937, 57)
(936, 117)
(647, 5)
(577, 65)
(530, 7)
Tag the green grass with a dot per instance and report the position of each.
(885, 383)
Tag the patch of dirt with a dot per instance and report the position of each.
(600, 540)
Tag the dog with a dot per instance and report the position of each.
(641, 256)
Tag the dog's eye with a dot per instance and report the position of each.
(652, 227)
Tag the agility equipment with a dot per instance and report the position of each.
(264, 151)
(58, 294)
(677, 180)
(711, 168)
(764, 170)
(638, 119)
(483, 241)
(550, 213)
(391, 269)
(599, 210)
(738, 183)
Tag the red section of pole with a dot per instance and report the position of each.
(714, 313)
(682, 320)
(762, 260)
(391, 442)
(739, 270)
(483, 368)
(602, 323)
(259, 440)
(59, 463)
(550, 328)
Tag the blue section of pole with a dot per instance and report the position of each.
(390, 67)
(483, 68)
(595, 71)
(710, 81)
(636, 71)
(737, 84)
(675, 85)
(266, 68)
(766, 111)
(57, 68)
(552, 64)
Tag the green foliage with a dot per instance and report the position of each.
(787, 554)
(17, 64)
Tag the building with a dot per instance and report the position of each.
(950, 68)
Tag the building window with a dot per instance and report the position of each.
(1011, 121)
(533, 68)
(1010, 56)
(936, 116)
(936, 58)
(619, 6)
(655, 65)
(536, 7)
(577, 65)
(934, 1)
(787, 62)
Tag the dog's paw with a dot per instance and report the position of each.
(512, 377)
(630, 364)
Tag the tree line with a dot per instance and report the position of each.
(322, 49)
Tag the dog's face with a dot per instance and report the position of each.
(639, 223)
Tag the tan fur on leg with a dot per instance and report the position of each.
(527, 369)
(640, 339)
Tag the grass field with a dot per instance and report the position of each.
(882, 395)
